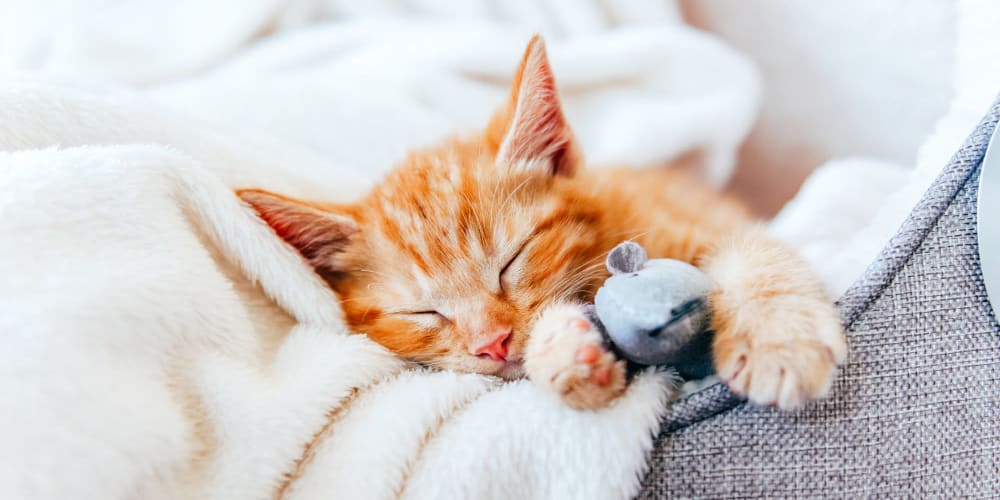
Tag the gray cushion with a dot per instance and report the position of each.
(916, 410)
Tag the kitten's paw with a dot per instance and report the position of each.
(566, 355)
(784, 358)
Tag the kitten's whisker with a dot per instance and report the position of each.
(598, 260)
(372, 271)
(512, 192)
(636, 235)
(574, 282)
(355, 299)
(479, 220)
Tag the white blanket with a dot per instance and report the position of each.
(157, 340)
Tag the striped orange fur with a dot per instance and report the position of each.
(483, 232)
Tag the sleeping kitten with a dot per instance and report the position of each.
(473, 254)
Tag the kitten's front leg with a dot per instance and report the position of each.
(778, 338)
(566, 355)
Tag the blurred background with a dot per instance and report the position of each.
(762, 92)
(845, 78)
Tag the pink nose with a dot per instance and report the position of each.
(496, 348)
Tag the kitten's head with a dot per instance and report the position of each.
(450, 258)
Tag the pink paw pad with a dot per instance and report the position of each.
(591, 354)
(588, 354)
(602, 376)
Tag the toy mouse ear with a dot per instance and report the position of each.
(627, 257)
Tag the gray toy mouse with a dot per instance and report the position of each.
(656, 312)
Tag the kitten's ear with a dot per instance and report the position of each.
(530, 130)
(321, 236)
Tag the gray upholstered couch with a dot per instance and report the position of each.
(916, 410)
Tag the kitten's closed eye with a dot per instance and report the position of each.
(422, 312)
(429, 318)
(506, 267)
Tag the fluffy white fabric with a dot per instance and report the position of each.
(156, 339)
(139, 359)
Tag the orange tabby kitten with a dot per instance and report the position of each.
(473, 254)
